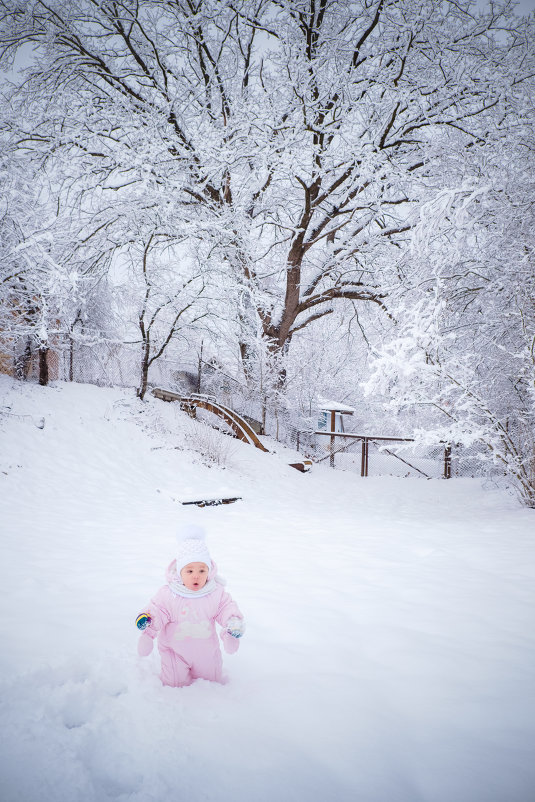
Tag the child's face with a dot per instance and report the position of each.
(194, 575)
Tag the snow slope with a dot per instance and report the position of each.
(389, 655)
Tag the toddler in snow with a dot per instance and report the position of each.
(183, 613)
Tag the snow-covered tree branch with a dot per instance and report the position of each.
(463, 347)
(296, 135)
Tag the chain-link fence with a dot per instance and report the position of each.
(108, 363)
(104, 363)
(389, 456)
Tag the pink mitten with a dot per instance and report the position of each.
(144, 645)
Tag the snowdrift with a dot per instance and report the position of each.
(389, 654)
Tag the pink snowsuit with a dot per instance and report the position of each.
(185, 627)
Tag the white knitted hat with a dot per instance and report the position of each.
(191, 547)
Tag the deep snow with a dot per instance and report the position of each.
(389, 653)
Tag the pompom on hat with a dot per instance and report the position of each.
(191, 547)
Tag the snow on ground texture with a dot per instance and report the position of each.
(389, 651)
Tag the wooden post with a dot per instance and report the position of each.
(333, 423)
(447, 462)
(364, 457)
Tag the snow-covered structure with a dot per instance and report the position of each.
(330, 415)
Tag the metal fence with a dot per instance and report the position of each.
(370, 455)
(108, 363)
(111, 363)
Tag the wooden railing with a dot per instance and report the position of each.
(190, 403)
(365, 444)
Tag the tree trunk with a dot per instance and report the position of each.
(23, 362)
(71, 359)
(144, 371)
(43, 365)
(144, 380)
(278, 349)
(199, 370)
(249, 359)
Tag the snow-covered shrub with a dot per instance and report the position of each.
(213, 444)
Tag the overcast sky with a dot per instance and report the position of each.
(523, 6)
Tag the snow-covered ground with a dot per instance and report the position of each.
(390, 648)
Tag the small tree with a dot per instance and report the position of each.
(169, 298)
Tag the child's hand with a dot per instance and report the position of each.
(235, 627)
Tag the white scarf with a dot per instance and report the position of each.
(179, 589)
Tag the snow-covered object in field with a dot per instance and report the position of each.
(330, 415)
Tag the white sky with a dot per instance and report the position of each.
(24, 55)
(526, 6)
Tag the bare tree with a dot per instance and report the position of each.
(170, 301)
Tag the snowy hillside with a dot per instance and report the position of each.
(390, 645)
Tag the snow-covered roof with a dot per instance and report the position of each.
(334, 406)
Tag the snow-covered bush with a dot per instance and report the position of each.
(214, 445)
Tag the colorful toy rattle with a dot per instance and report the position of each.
(143, 620)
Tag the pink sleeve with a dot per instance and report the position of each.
(227, 609)
(158, 612)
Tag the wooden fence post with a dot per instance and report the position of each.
(364, 457)
(333, 424)
(447, 462)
